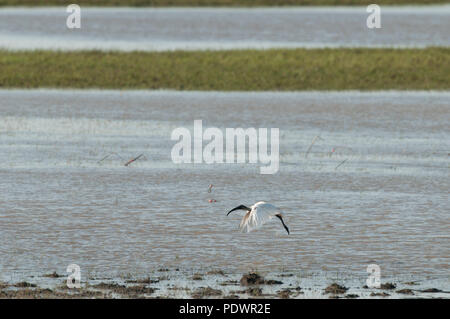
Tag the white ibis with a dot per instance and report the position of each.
(257, 215)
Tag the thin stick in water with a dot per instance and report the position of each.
(109, 156)
(312, 143)
(133, 160)
(341, 163)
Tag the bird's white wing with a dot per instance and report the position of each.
(260, 214)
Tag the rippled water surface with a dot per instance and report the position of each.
(158, 29)
(386, 204)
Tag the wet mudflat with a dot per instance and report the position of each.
(372, 190)
(217, 284)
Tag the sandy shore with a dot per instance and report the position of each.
(166, 283)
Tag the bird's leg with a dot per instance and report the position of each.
(284, 225)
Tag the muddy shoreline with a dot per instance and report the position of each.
(217, 284)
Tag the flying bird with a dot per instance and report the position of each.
(257, 215)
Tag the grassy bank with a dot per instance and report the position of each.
(245, 3)
(299, 69)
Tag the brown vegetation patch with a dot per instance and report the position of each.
(388, 286)
(203, 292)
(335, 288)
(405, 292)
(379, 294)
(255, 279)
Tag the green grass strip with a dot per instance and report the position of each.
(240, 70)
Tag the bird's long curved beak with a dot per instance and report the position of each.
(243, 207)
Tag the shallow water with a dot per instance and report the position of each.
(387, 204)
(159, 29)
